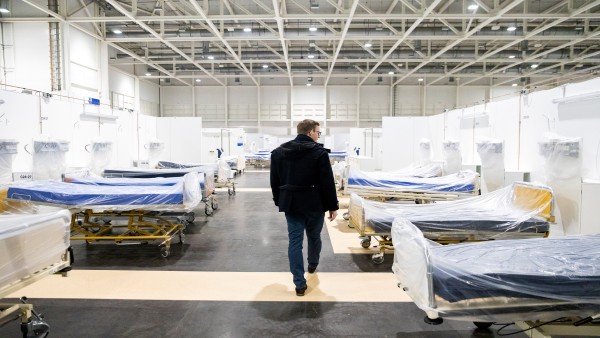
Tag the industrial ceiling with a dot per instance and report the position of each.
(338, 42)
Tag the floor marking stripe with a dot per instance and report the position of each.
(215, 286)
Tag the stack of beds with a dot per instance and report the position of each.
(222, 171)
(419, 183)
(123, 210)
(518, 211)
(260, 159)
(337, 156)
(206, 179)
(34, 243)
(513, 280)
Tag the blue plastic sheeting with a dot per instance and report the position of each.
(423, 184)
(62, 193)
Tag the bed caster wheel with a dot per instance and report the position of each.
(365, 243)
(165, 252)
(346, 216)
(350, 225)
(181, 238)
(483, 325)
(214, 204)
(189, 217)
(208, 210)
(229, 191)
(434, 321)
(377, 258)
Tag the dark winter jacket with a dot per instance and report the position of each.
(301, 177)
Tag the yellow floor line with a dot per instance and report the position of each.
(215, 286)
(344, 239)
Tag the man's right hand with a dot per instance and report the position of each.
(332, 215)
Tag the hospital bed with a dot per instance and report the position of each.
(32, 246)
(206, 178)
(132, 211)
(337, 156)
(415, 183)
(514, 280)
(520, 210)
(260, 159)
(223, 174)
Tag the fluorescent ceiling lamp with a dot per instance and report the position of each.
(511, 28)
(312, 28)
(4, 10)
(247, 29)
(265, 66)
(420, 79)
(391, 73)
(368, 45)
(148, 74)
(514, 84)
(116, 31)
(472, 7)
(220, 65)
(308, 84)
(310, 56)
(534, 66)
(511, 56)
(198, 80)
(210, 57)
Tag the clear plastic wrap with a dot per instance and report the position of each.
(463, 182)
(516, 211)
(184, 195)
(49, 158)
(491, 153)
(100, 154)
(563, 160)
(8, 149)
(31, 243)
(425, 153)
(499, 280)
(224, 172)
(452, 156)
(155, 148)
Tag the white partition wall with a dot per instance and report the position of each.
(182, 137)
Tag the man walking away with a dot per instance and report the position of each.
(304, 188)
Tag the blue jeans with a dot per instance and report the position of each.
(312, 223)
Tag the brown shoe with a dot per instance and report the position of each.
(300, 292)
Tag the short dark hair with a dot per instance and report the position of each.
(306, 126)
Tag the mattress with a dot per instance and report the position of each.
(466, 226)
(565, 268)
(463, 182)
(30, 243)
(151, 173)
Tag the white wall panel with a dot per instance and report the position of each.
(439, 98)
(209, 95)
(504, 125)
(31, 56)
(398, 136)
(243, 95)
(149, 91)
(121, 83)
(274, 95)
(177, 95)
(83, 49)
(407, 100)
(471, 95)
(342, 94)
(182, 137)
(20, 121)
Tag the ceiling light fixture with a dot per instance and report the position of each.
(198, 80)
(534, 66)
(472, 7)
(312, 28)
(116, 31)
(4, 7)
(308, 84)
(265, 66)
(368, 45)
(511, 28)
(420, 79)
(391, 73)
(311, 56)
(514, 84)
(247, 29)
(511, 56)
(148, 74)
(210, 57)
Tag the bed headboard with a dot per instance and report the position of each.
(533, 197)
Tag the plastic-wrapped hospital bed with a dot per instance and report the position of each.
(260, 159)
(417, 183)
(206, 179)
(32, 246)
(223, 172)
(513, 280)
(520, 210)
(132, 211)
(337, 156)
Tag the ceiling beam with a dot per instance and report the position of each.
(475, 29)
(218, 34)
(402, 38)
(341, 42)
(279, 20)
